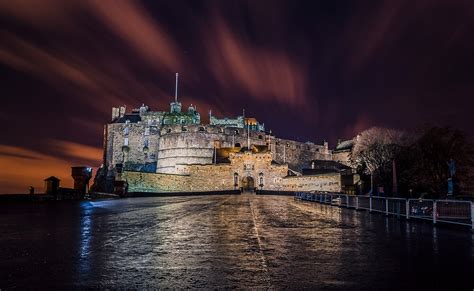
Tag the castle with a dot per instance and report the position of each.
(157, 151)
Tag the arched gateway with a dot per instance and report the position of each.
(248, 184)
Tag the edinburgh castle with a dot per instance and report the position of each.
(157, 151)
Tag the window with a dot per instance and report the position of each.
(236, 179)
(201, 129)
(125, 141)
(184, 128)
(147, 131)
(260, 136)
(237, 145)
(168, 130)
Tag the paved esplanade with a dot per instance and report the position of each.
(224, 241)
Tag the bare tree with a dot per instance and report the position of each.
(375, 149)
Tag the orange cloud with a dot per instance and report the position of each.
(76, 150)
(265, 74)
(130, 21)
(22, 168)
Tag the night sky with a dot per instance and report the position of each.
(310, 70)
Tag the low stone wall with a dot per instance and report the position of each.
(167, 194)
(220, 178)
(217, 180)
(324, 182)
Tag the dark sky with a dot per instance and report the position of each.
(311, 70)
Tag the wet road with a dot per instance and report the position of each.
(237, 241)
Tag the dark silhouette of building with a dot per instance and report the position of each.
(81, 176)
(51, 186)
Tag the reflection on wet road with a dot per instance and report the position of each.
(224, 242)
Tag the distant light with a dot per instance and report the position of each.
(89, 169)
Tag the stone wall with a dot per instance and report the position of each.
(169, 145)
(325, 182)
(298, 154)
(257, 166)
(342, 157)
(133, 143)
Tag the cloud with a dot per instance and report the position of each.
(265, 74)
(49, 13)
(129, 20)
(86, 153)
(22, 167)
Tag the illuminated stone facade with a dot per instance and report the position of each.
(247, 170)
(173, 151)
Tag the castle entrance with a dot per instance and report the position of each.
(248, 184)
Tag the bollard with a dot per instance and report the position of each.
(386, 206)
(472, 216)
(407, 209)
(370, 204)
(434, 212)
(398, 209)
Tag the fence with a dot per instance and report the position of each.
(445, 211)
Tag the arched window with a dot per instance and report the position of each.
(260, 180)
(236, 179)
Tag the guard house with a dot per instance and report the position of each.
(51, 185)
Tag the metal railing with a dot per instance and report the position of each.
(445, 211)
